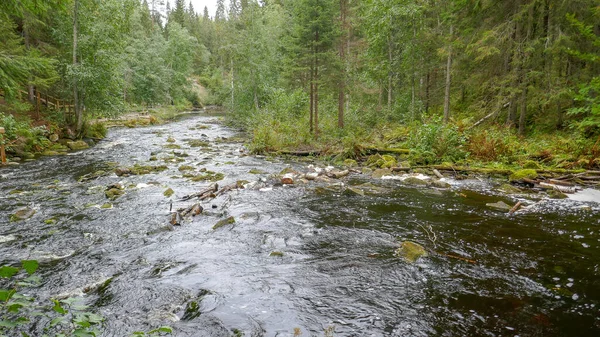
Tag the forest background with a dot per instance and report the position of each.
(462, 81)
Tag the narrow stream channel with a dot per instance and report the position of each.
(487, 274)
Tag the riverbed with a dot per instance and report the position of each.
(301, 258)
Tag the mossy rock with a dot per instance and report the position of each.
(51, 153)
(500, 205)
(256, 171)
(523, 174)
(169, 192)
(171, 140)
(353, 191)
(411, 251)
(22, 214)
(198, 143)
(172, 146)
(381, 172)
(554, 194)
(350, 163)
(77, 145)
(58, 148)
(224, 222)
(209, 176)
(508, 188)
(385, 161)
(140, 170)
(532, 165)
(153, 158)
(50, 221)
(276, 254)
(113, 193)
(415, 181)
(440, 184)
(186, 168)
(106, 206)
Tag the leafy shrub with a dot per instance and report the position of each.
(491, 145)
(435, 142)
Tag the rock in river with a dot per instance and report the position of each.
(411, 251)
(78, 145)
(500, 205)
(22, 214)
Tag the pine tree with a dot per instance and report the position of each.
(220, 13)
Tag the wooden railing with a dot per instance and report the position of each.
(57, 104)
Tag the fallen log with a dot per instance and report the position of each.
(192, 210)
(228, 188)
(338, 174)
(437, 174)
(387, 150)
(202, 194)
(560, 182)
(515, 208)
(401, 169)
(305, 153)
(176, 219)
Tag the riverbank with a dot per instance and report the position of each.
(29, 137)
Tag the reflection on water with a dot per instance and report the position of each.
(309, 257)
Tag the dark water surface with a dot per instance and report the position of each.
(533, 274)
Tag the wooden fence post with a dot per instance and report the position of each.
(2, 153)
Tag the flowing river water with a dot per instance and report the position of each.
(535, 273)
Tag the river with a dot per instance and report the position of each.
(306, 258)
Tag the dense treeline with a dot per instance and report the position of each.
(101, 55)
(300, 71)
(532, 65)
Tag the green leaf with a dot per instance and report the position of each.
(8, 271)
(6, 294)
(57, 321)
(30, 266)
(58, 308)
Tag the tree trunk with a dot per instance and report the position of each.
(523, 111)
(30, 88)
(427, 84)
(232, 88)
(78, 110)
(316, 100)
(390, 59)
(312, 94)
(448, 80)
(342, 86)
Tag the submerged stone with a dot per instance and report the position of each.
(381, 172)
(500, 205)
(440, 184)
(411, 251)
(352, 191)
(22, 214)
(415, 181)
(224, 222)
(168, 193)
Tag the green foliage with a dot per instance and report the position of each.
(435, 142)
(20, 314)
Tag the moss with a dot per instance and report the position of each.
(209, 176)
(530, 164)
(172, 146)
(523, 174)
(224, 222)
(153, 158)
(385, 161)
(140, 170)
(113, 193)
(256, 171)
(198, 143)
(554, 194)
(411, 251)
(415, 181)
(171, 140)
(50, 221)
(186, 168)
(106, 206)
(15, 192)
(350, 163)
(276, 254)
(96, 130)
(168, 193)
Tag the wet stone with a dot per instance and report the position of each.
(500, 205)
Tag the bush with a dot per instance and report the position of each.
(435, 142)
